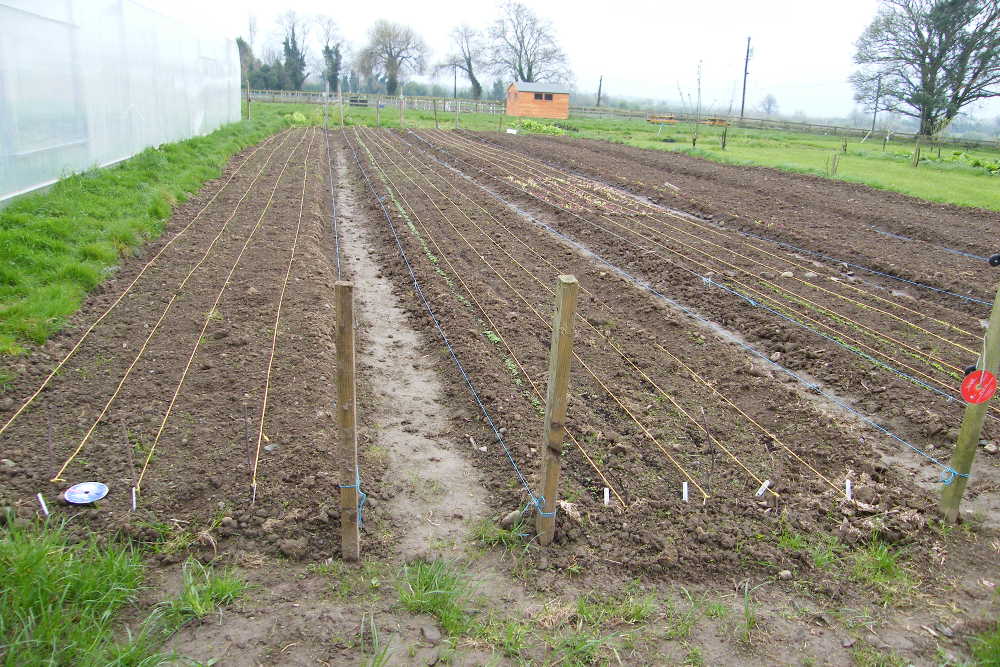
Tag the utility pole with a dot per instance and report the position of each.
(878, 94)
(600, 84)
(746, 70)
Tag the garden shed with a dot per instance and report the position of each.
(537, 100)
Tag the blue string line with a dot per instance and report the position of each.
(945, 248)
(362, 496)
(864, 268)
(948, 473)
(892, 369)
(788, 245)
(536, 501)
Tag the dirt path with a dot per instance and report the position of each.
(440, 489)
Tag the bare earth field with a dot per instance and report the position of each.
(729, 340)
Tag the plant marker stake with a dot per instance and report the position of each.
(560, 358)
(847, 489)
(607, 496)
(45, 510)
(133, 498)
(684, 491)
(763, 488)
(972, 424)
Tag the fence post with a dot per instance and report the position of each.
(725, 131)
(499, 122)
(972, 423)
(378, 111)
(436, 126)
(346, 419)
(402, 106)
(458, 111)
(560, 356)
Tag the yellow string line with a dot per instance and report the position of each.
(163, 315)
(121, 296)
(496, 329)
(277, 318)
(737, 216)
(742, 270)
(609, 194)
(857, 342)
(575, 355)
(750, 419)
(579, 316)
(766, 282)
(208, 317)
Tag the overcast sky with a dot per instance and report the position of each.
(801, 49)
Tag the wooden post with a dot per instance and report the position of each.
(725, 131)
(560, 355)
(378, 111)
(402, 105)
(346, 419)
(340, 97)
(436, 126)
(499, 122)
(972, 424)
(916, 153)
(458, 111)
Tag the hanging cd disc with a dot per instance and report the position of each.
(85, 493)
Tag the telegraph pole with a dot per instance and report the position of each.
(746, 70)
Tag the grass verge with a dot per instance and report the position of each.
(60, 600)
(58, 245)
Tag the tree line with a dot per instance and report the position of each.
(517, 45)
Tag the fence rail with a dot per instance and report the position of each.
(784, 125)
(450, 105)
(372, 100)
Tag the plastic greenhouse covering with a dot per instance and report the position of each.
(87, 83)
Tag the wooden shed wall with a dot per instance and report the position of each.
(520, 103)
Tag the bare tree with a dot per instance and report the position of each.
(392, 50)
(331, 60)
(769, 105)
(932, 57)
(252, 31)
(468, 56)
(524, 46)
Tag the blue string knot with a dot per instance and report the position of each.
(539, 503)
(362, 496)
(949, 474)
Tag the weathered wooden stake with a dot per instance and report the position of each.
(972, 424)
(346, 419)
(436, 126)
(378, 112)
(725, 131)
(402, 106)
(340, 97)
(500, 122)
(458, 112)
(560, 355)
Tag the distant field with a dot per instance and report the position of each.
(953, 179)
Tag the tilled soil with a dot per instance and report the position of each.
(197, 479)
(665, 390)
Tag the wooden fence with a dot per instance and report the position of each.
(372, 100)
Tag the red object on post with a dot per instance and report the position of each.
(979, 387)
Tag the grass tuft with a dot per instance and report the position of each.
(436, 588)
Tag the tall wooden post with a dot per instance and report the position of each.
(346, 419)
(972, 424)
(436, 126)
(402, 105)
(340, 97)
(560, 355)
(378, 111)
(725, 131)
(499, 122)
(458, 111)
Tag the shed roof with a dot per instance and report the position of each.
(541, 87)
